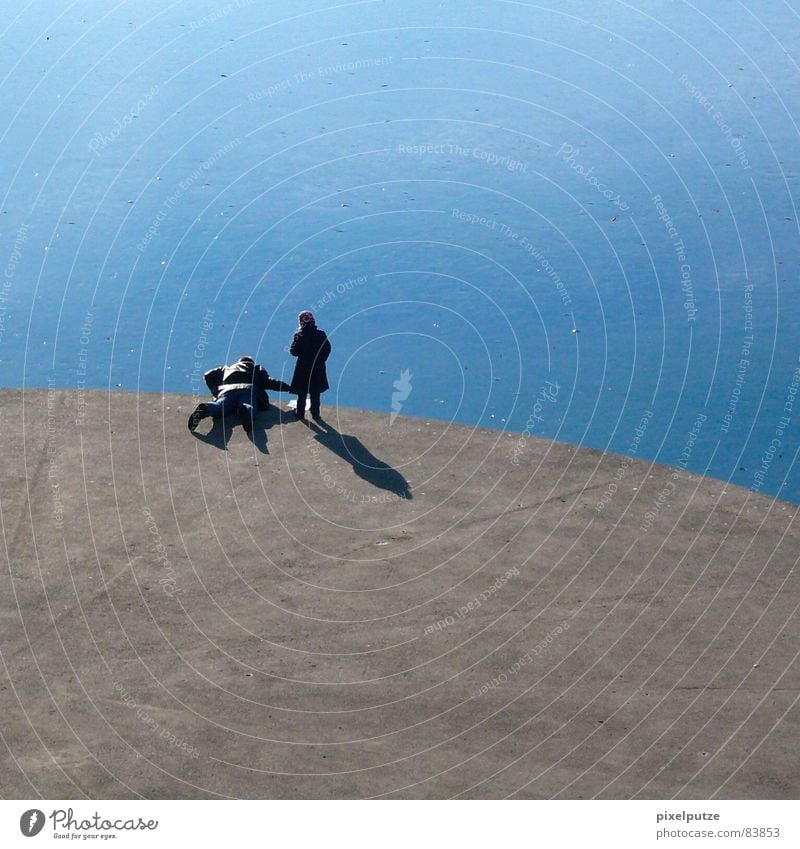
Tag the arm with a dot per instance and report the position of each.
(264, 381)
(296, 347)
(278, 385)
(325, 350)
(213, 379)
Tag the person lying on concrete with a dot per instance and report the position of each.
(239, 390)
(311, 347)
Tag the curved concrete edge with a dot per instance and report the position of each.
(411, 609)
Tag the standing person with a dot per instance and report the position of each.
(239, 389)
(311, 347)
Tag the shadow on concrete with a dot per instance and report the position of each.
(221, 431)
(219, 434)
(365, 464)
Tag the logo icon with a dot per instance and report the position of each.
(31, 822)
(403, 390)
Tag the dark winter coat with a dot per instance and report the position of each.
(241, 375)
(311, 347)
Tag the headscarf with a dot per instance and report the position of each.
(304, 318)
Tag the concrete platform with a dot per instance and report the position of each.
(365, 609)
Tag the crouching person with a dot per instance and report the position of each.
(239, 390)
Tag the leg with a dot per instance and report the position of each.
(226, 406)
(200, 412)
(315, 402)
(246, 413)
(300, 412)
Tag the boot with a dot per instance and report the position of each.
(197, 416)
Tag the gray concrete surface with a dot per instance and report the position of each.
(370, 609)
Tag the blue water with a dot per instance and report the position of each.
(462, 190)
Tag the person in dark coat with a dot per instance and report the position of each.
(239, 390)
(311, 347)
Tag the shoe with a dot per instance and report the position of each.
(317, 417)
(246, 420)
(196, 417)
(299, 415)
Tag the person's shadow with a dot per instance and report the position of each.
(221, 431)
(365, 464)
